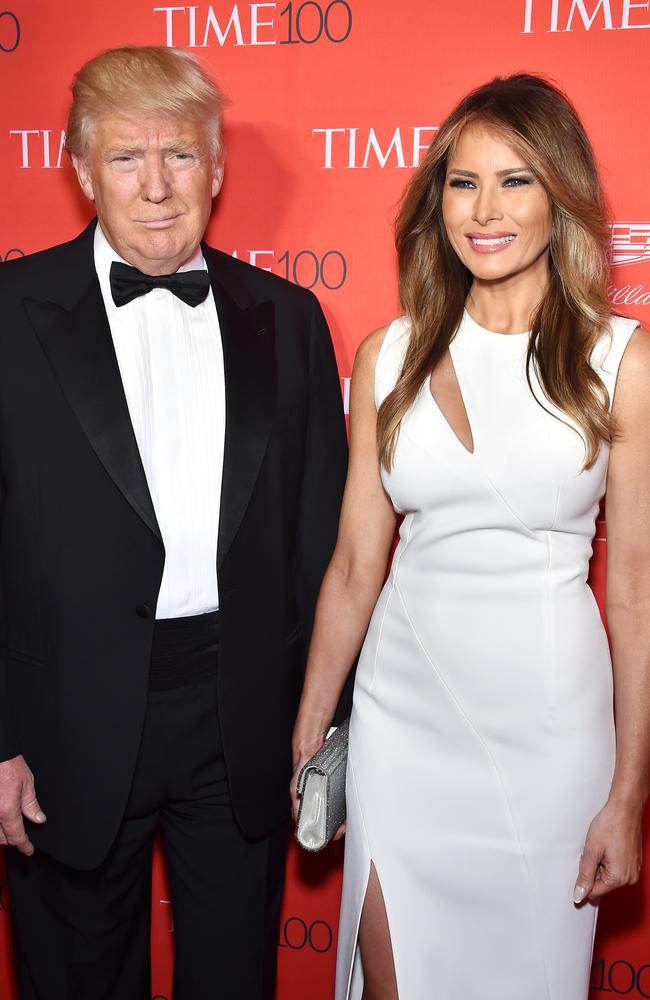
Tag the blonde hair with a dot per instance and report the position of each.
(136, 81)
(537, 120)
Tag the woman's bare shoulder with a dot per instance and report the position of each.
(632, 395)
(636, 359)
(370, 346)
(394, 337)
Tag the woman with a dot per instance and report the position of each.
(483, 760)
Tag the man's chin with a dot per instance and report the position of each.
(156, 257)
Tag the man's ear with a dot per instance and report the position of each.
(217, 179)
(82, 171)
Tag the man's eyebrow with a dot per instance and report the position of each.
(129, 149)
(499, 173)
(180, 144)
(123, 150)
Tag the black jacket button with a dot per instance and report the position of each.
(143, 611)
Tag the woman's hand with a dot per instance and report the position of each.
(612, 852)
(303, 749)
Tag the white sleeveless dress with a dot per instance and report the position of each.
(482, 737)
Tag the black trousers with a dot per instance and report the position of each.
(85, 935)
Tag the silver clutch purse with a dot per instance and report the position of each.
(321, 788)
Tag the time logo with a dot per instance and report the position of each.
(297, 23)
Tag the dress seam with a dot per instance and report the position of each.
(497, 771)
(548, 630)
(393, 587)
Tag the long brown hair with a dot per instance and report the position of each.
(539, 122)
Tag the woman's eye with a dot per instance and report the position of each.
(517, 181)
(458, 182)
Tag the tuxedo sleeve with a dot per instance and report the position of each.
(8, 742)
(325, 469)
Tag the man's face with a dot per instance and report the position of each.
(152, 183)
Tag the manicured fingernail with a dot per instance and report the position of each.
(40, 817)
(579, 893)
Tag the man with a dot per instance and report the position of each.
(172, 456)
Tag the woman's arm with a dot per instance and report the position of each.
(357, 569)
(612, 855)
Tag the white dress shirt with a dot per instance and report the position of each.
(171, 362)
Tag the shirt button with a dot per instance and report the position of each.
(143, 611)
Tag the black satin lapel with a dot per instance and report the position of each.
(79, 347)
(248, 337)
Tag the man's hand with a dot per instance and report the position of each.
(17, 799)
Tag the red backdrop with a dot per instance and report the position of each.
(333, 103)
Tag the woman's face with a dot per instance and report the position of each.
(496, 213)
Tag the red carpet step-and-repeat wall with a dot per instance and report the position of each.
(333, 105)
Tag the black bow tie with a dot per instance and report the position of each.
(128, 283)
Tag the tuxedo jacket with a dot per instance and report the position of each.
(81, 555)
